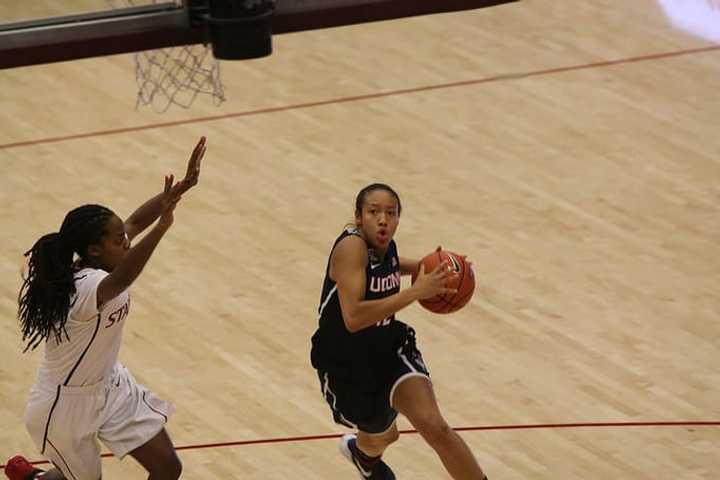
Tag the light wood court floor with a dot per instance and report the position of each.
(586, 194)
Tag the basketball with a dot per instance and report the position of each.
(462, 279)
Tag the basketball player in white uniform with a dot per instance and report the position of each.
(79, 307)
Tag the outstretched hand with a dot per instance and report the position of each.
(193, 168)
(172, 193)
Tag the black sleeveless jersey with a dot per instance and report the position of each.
(359, 356)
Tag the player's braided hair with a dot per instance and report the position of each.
(44, 298)
(360, 200)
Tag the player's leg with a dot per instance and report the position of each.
(159, 458)
(414, 397)
(374, 444)
(365, 451)
(134, 423)
(63, 427)
(370, 414)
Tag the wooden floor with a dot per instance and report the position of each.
(571, 149)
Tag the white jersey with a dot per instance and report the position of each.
(90, 353)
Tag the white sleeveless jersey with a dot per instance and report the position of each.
(90, 353)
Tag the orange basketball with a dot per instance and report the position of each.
(463, 280)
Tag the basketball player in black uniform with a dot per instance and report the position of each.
(368, 364)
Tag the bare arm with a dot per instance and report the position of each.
(149, 211)
(347, 268)
(134, 261)
(144, 216)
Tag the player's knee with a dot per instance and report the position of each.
(381, 441)
(434, 429)
(391, 436)
(167, 467)
(173, 467)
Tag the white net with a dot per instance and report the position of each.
(175, 75)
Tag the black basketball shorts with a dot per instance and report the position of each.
(368, 408)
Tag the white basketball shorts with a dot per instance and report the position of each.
(66, 422)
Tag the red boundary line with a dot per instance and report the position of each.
(459, 429)
(298, 106)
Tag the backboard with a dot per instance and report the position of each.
(43, 31)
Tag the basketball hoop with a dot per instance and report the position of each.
(174, 75)
(177, 75)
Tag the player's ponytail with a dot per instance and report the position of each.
(44, 298)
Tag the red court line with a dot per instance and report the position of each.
(538, 426)
(369, 96)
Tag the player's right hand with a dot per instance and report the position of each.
(172, 193)
(428, 285)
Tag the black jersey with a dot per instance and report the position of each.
(359, 356)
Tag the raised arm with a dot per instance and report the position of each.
(134, 261)
(149, 211)
(347, 268)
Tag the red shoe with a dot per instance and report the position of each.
(18, 468)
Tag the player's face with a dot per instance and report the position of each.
(379, 218)
(114, 245)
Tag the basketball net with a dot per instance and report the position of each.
(175, 75)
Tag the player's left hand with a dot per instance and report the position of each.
(193, 169)
(464, 257)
